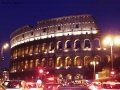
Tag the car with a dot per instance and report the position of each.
(31, 85)
(51, 86)
(73, 88)
(110, 86)
(94, 85)
(12, 84)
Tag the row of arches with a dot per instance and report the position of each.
(52, 62)
(46, 47)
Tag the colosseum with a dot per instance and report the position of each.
(63, 46)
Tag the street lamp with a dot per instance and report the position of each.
(94, 63)
(2, 57)
(3, 47)
(111, 40)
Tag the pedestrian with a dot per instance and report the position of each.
(39, 85)
(24, 85)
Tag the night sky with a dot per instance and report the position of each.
(18, 13)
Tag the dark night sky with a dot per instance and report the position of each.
(17, 13)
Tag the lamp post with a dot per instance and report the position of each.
(2, 57)
(94, 63)
(111, 40)
(3, 47)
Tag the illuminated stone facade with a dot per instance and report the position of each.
(63, 46)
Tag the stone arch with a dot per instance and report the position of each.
(37, 48)
(87, 60)
(23, 52)
(77, 44)
(31, 63)
(26, 64)
(51, 62)
(26, 50)
(15, 66)
(31, 49)
(87, 43)
(59, 62)
(68, 61)
(51, 46)
(96, 43)
(67, 44)
(97, 58)
(19, 52)
(77, 61)
(108, 58)
(59, 45)
(15, 53)
(43, 47)
(18, 66)
(22, 65)
(36, 63)
(43, 62)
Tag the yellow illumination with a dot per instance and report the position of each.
(57, 67)
(117, 40)
(6, 45)
(108, 39)
(97, 62)
(96, 76)
(91, 63)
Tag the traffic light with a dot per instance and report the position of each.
(41, 71)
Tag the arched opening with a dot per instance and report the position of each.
(68, 44)
(87, 60)
(31, 63)
(59, 62)
(51, 62)
(77, 44)
(96, 43)
(26, 50)
(68, 61)
(77, 61)
(59, 45)
(87, 43)
(31, 49)
(43, 62)
(26, 64)
(36, 63)
(37, 48)
(44, 47)
(51, 46)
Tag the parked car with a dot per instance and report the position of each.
(12, 84)
(110, 86)
(73, 88)
(51, 86)
(31, 85)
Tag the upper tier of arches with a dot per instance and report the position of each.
(62, 26)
